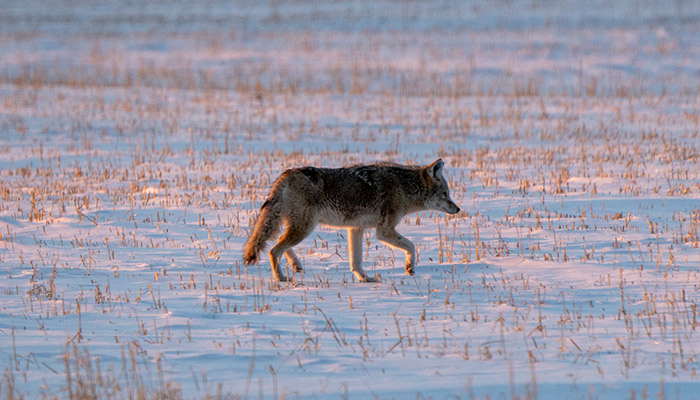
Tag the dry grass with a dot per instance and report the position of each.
(133, 168)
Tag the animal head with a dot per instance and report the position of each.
(438, 192)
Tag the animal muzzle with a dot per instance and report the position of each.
(444, 205)
(452, 208)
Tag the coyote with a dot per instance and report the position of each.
(357, 198)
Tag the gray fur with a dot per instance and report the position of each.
(357, 198)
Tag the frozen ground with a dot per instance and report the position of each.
(137, 143)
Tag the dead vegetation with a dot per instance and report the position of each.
(128, 187)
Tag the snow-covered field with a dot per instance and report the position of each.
(138, 141)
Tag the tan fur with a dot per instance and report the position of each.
(358, 197)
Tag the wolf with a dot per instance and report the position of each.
(358, 197)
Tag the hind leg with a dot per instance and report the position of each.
(293, 260)
(292, 236)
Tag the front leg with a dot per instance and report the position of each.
(355, 248)
(388, 235)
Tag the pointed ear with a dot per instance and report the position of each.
(435, 169)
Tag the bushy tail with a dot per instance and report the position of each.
(266, 227)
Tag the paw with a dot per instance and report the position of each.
(296, 267)
(369, 279)
(410, 270)
(363, 277)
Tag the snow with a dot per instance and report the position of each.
(138, 141)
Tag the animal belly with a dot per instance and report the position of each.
(342, 219)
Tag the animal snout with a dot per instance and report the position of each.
(454, 208)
